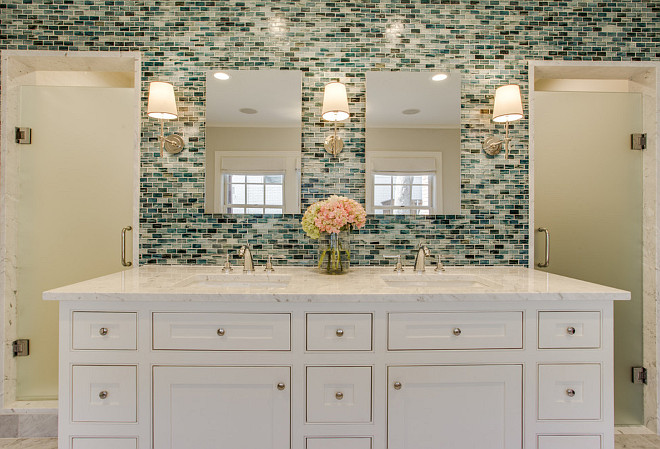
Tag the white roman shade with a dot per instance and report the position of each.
(395, 165)
(253, 164)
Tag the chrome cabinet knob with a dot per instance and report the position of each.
(103, 331)
(340, 332)
(103, 394)
(570, 392)
(397, 385)
(339, 395)
(221, 332)
(570, 330)
(457, 331)
(281, 386)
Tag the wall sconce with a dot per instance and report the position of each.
(335, 109)
(507, 108)
(162, 106)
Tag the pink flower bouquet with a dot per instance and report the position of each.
(332, 216)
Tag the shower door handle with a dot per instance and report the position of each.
(546, 263)
(124, 262)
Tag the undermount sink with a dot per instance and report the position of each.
(245, 280)
(436, 280)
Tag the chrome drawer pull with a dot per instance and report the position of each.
(397, 385)
(339, 395)
(103, 331)
(281, 386)
(221, 332)
(570, 330)
(457, 331)
(103, 394)
(570, 392)
(340, 332)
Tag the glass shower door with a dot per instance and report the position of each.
(75, 195)
(588, 194)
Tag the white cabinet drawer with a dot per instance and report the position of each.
(222, 331)
(569, 442)
(570, 392)
(577, 329)
(339, 443)
(339, 331)
(104, 443)
(455, 330)
(104, 330)
(104, 393)
(338, 394)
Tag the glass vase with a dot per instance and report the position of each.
(334, 253)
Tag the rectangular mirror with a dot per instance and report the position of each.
(413, 143)
(253, 141)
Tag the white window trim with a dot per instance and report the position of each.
(436, 195)
(290, 169)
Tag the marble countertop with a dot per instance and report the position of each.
(305, 284)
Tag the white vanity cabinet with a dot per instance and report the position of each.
(510, 371)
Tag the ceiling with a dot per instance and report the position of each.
(276, 95)
(391, 93)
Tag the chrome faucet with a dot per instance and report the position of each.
(420, 260)
(248, 263)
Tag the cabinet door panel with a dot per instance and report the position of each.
(569, 442)
(339, 443)
(104, 443)
(457, 407)
(210, 407)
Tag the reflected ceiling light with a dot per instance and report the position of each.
(439, 77)
(248, 111)
(221, 76)
(335, 109)
(507, 108)
(161, 105)
(411, 111)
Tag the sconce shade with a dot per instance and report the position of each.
(508, 104)
(161, 103)
(335, 102)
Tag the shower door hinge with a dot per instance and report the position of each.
(24, 135)
(638, 141)
(21, 347)
(639, 375)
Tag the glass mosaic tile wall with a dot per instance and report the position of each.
(488, 42)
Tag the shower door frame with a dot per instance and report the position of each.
(18, 68)
(645, 78)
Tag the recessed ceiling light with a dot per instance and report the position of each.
(221, 76)
(248, 111)
(410, 111)
(439, 77)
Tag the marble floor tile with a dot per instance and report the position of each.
(637, 442)
(28, 443)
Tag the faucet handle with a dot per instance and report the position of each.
(269, 264)
(227, 268)
(399, 266)
(439, 267)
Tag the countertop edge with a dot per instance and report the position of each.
(338, 297)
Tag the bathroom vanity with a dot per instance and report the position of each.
(176, 357)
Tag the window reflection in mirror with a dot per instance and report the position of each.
(253, 132)
(413, 143)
